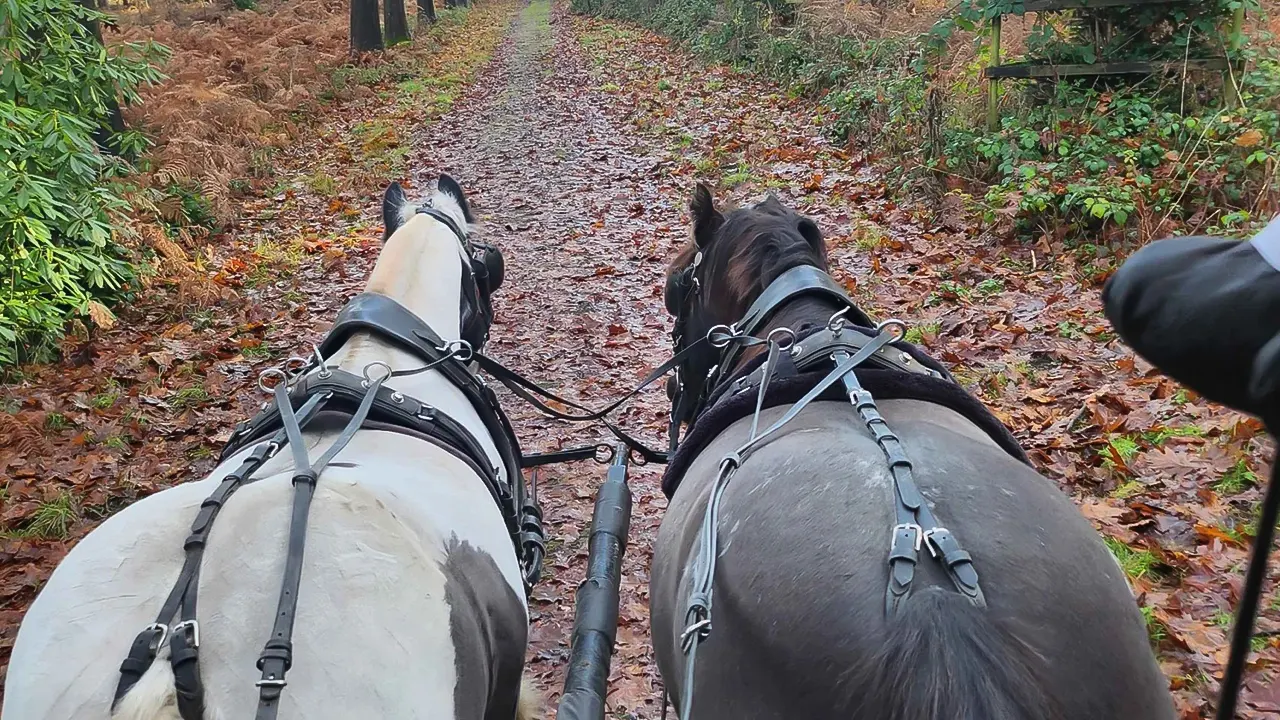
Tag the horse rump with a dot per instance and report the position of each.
(944, 659)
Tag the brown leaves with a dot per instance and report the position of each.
(1249, 138)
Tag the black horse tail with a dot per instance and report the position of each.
(945, 659)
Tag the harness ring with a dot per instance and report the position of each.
(368, 380)
(274, 372)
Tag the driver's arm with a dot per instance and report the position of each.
(1200, 309)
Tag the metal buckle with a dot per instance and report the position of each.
(729, 330)
(934, 548)
(162, 633)
(271, 373)
(271, 682)
(919, 532)
(192, 628)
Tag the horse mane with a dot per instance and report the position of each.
(751, 249)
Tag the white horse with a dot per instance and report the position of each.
(411, 603)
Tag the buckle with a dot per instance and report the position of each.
(192, 628)
(271, 682)
(935, 548)
(157, 641)
(919, 535)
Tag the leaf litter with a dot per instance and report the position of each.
(579, 145)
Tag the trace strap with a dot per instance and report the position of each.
(184, 637)
(698, 610)
(915, 522)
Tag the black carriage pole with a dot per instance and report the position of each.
(595, 617)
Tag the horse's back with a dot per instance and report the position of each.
(798, 612)
(400, 613)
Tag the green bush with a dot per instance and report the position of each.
(1092, 159)
(58, 206)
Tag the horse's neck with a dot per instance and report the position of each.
(420, 268)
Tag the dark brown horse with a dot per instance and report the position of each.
(801, 623)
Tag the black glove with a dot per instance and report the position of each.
(1202, 310)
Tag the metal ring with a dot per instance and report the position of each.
(791, 337)
(729, 330)
(837, 322)
(454, 346)
(368, 381)
(893, 323)
(270, 373)
(607, 456)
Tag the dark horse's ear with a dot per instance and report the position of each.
(706, 218)
(810, 232)
(392, 200)
(450, 187)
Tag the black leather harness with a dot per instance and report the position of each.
(841, 352)
(308, 389)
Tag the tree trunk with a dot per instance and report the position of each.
(114, 121)
(365, 33)
(395, 21)
(426, 12)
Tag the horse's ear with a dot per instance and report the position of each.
(706, 218)
(392, 200)
(810, 232)
(450, 187)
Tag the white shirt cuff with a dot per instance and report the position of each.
(1267, 243)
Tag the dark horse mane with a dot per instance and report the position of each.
(940, 658)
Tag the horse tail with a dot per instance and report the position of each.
(154, 697)
(945, 659)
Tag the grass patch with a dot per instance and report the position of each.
(1137, 564)
(1163, 435)
(56, 422)
(916, 335)
(1156, 630)
(189, 397)
(1128, 490)
(1236, 480)
(323, 184)
(52, 520)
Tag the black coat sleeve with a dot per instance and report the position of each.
(1202, 310)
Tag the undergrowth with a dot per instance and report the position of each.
(1094, 160)
(91, 213)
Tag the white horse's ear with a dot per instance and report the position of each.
(450, 187)
(392, 200)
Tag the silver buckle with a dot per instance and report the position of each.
(193, 631)
(271, 682)
(162, 633)
(919, 532)
(934, 548)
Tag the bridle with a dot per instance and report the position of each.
(303, 389)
